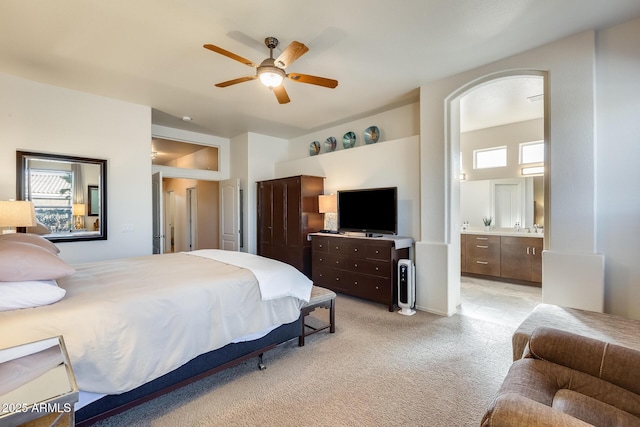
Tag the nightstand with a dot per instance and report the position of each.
(37, 383)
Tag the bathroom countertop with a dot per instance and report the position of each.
(503, 232)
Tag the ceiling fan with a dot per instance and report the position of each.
(271, 71)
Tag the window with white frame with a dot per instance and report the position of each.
(531, 152)
(493, 157)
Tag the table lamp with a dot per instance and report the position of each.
(79, 211)
(328, 205)
(16, 213)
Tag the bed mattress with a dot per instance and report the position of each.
(126, 322)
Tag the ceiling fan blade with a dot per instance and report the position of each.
(281, 94)
(236, 81)
(294, 51)
(228, 54)
(313, 80)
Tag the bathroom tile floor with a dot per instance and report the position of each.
(504, 303)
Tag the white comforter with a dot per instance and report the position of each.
(126, 322)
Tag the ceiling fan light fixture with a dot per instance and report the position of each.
(271, 76)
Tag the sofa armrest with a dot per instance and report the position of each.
(514, 410)
(610, 362)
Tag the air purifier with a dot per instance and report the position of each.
(406, 287)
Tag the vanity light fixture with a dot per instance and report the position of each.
(533, 170)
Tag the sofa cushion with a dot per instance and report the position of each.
(592, 410)
(514, 410)
(610, 362)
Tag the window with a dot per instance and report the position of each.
(50, 192)
(531, 152)
(490, 158)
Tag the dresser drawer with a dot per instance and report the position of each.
(381, 252)
(369, 287)
(346, 247)
(320, 244)
(367, 266)
(331, 278)
(329, 260)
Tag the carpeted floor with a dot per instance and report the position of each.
(378, 369)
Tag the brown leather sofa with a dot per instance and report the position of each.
(567, 379)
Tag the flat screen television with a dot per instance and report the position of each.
(370, 211)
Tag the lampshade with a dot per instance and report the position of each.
(17, 213)
(79, 209)
(328, 203)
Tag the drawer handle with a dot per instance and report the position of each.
(337, 279)
(377, 251)
(377, 288)
(482, 246)
(337, 247)
(319, 246)
(337, 262)
(355, 283)
(377, 269)
(355, 250)
(482, 238)
(528, 251)
(534, 251)
(321, 275)
(321, 259)
(482, 262)
(355, 265)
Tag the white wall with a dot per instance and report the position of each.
(511, 135)
(570, 224)
(617, 171)
(594, 179)
(392, 163)
(44, 118)
(254, 156)
(394, 124)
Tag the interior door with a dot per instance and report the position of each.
(158, 234)
(230, 214)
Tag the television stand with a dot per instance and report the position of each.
(360, 266)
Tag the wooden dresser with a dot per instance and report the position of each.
(365, 267)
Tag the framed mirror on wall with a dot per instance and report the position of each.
(69, 194)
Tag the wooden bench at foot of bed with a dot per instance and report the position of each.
(320, 297)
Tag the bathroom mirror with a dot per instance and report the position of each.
(69, 194)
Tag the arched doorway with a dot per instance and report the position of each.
(453, 220)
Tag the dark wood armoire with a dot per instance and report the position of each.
(287, 213)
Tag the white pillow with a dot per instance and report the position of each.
(32, 293)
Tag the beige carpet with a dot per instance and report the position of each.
(378, 369)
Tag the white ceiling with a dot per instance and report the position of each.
(150, 52)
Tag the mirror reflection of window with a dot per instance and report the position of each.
(67, 193)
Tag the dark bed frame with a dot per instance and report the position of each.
(198, 368)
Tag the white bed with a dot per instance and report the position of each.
(129, 321)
